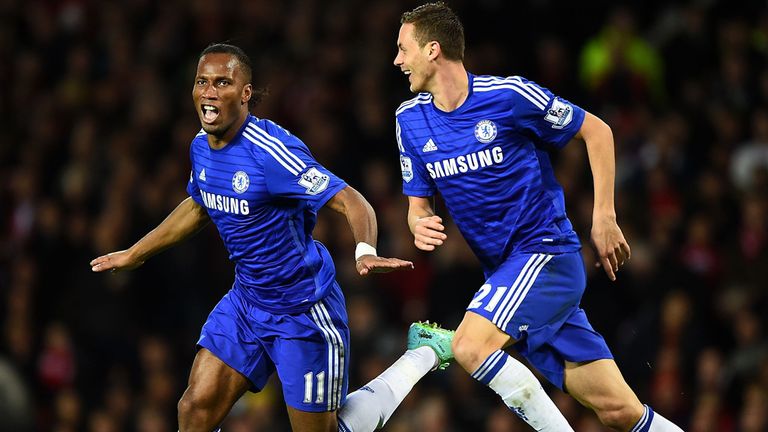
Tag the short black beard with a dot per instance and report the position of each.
(215, 132)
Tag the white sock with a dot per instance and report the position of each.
(372, 405)
(521, 392)
(654, 422)
(661, 424)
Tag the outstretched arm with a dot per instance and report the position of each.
(186, 219)
(362, 221)
(607, 238)
(427, 228)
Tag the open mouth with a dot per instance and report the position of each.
(210, 113)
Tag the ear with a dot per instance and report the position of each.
(433, 50)
(247, 94)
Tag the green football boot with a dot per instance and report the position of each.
(432, 335)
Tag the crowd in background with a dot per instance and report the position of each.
(96, 117)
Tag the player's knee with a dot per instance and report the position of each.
(620, 416)
(185, 407)
(468, 352)
(192, 406)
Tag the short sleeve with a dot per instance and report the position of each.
(192, 187)
(291, 171)
(551, 119)
(416, 180)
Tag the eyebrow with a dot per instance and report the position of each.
(213, 78)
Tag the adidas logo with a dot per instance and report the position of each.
(429, 146)
(202, 175)
(520, 413)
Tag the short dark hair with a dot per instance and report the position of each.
(437, 22)
(245, 64)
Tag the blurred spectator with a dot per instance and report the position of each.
(619, 67)
(15, 406)
(749, 166)
(56, 366)
(754, 417)
(750, 351)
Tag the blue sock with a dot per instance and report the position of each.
(343, 427)
(490, 367)
(644, 424)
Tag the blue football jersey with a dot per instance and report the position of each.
(489, 161)
(263, 191)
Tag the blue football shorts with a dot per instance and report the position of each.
(535, 299)
(309, 350)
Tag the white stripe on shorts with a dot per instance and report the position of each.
(335, 354)
(514, 288)
(519, 289)
(339, 361)
(517, 304)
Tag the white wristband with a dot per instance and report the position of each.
(364, 248)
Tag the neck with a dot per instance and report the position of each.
(219, 142)
(450, 87)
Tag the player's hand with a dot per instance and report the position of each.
(115, 262)
(376, 264)
(428, 233)
(609, 243)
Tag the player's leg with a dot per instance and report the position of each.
(478, 349)
(476, 339)
(311, 354)
(305, 421)
(525, 301)
(577, 359)
(369, 408)
(231, 360)
(212, 390)
(600, 386)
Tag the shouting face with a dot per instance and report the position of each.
(221, 93)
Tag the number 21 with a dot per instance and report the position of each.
(484, 290)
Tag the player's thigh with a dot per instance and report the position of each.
(531, 293)
(476, 338)
(239, 334)
(213, 385)
(600, 386)
(312, 358)
(305, 421)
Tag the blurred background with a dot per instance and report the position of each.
(95, 121)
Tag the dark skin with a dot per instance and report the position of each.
(221, 93)
(222, 83)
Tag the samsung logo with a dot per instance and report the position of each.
(464, 163)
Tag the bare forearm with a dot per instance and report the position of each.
(185, 220)
(426, 227)
(418, 211)
(600, 149)
(608, 240)
(362, 221)
(359, 214)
